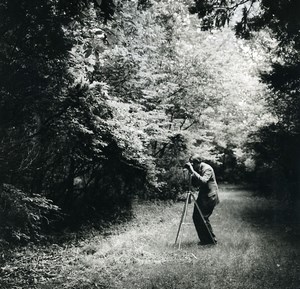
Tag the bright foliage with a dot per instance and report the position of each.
(103, 100)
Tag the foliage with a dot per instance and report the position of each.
(24, 217)
(280, 19)
(134, 69)
(276, 156)
(54, 133)
(189, 78)
(103, 100)
(233, 100)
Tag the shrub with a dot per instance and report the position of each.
(24, 218)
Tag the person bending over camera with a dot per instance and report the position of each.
(203, 177)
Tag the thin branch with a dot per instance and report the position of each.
(93, 175)
(48, 121)
(250, 7)
(194, 122)
(239, 4)
(161, 150)
(175, 92)
(182, 124)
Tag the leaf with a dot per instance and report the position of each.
(88, 52)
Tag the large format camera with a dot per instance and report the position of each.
(187, 165)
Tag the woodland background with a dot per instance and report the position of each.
(102, 102)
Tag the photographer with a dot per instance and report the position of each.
(203, 177)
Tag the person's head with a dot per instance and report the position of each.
(195, 160)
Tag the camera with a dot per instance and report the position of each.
(187, 165)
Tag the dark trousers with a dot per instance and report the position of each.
(206, 206)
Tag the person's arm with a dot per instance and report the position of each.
(205, 178)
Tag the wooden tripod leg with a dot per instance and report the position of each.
(201, 215)
(182, 216)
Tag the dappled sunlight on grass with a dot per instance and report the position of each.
(253, 251)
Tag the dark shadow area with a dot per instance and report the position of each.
(274, 218)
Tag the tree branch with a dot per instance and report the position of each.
(239, 4)
(161, 150)
(182, 124)
(194, 122)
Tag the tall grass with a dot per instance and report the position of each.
(257, 248)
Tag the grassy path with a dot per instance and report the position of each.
(257, 249)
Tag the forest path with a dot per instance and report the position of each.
(256, 248)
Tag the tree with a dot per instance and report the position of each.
(106, 99)
(281, 19)
(55, 140)
(175, 83)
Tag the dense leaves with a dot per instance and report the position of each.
(275, 145)
(54, 137)
(105, 100)
(23, 217)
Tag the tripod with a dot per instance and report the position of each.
(190, 197)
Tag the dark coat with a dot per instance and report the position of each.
(205, 179)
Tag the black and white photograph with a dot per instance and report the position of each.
(149, 144)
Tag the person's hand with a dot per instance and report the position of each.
(189, 167)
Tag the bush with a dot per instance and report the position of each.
(24, 218)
